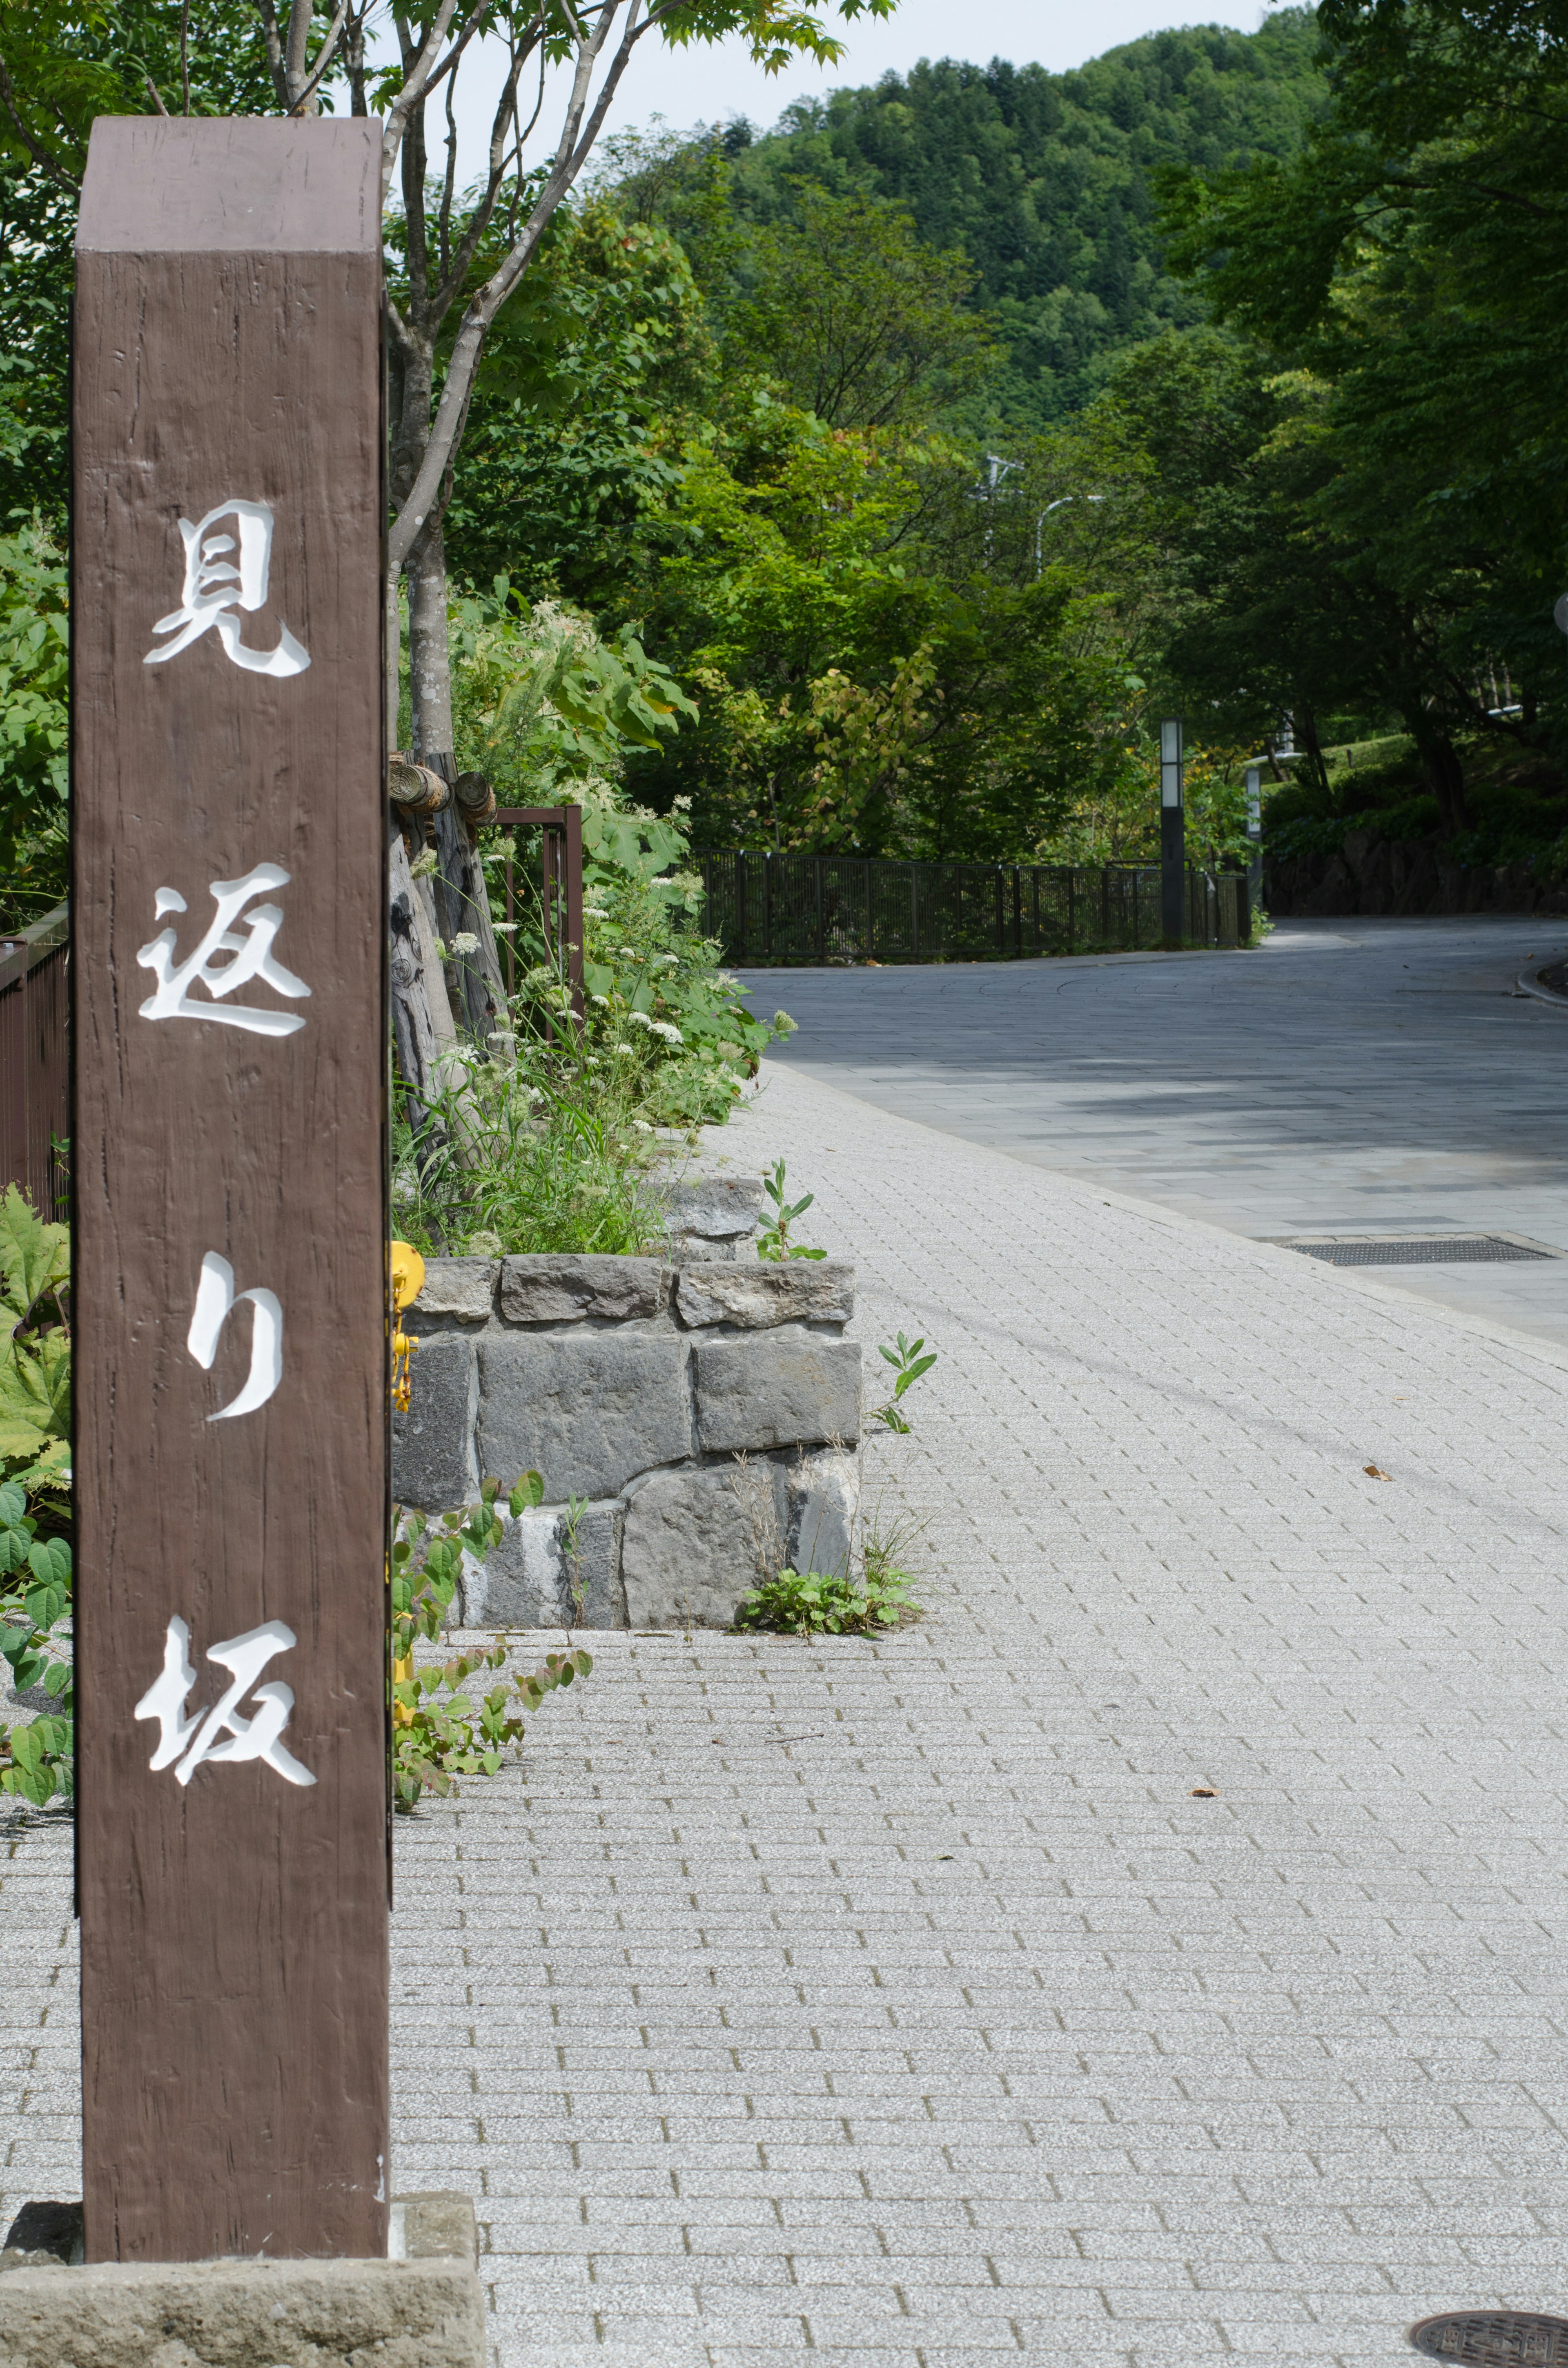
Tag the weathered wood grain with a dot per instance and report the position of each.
(233, 1929)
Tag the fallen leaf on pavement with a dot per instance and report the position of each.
(1372, 1473)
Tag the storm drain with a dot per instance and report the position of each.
(1493, 2339)
(1442, 1249)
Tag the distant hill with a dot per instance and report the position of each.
(1045, 180)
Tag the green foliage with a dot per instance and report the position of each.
(1406, 269)
(539, 1154)
(852, 317)
(827, 1603)
(773, 1242)
(1044, 182)
(34, 758)
(35, 1345)
(862, 687)
(37, 1757)
(442, 1728)
(908, 1364)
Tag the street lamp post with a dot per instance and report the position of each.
(1255, 835)
(1173, 833)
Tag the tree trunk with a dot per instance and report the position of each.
(463, 899)
(1442, 770)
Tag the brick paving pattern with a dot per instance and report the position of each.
(899, 2002)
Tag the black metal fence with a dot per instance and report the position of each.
(802, 909)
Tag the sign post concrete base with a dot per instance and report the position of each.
(424, 2310)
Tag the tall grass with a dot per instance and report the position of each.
(545, 1155)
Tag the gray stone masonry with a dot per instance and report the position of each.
(423, 2309)
(713, 1217)
(706, 1416)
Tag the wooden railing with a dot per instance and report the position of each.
(35, 1061)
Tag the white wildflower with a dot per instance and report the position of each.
(641, 1126)
(465, 942)
(639, 1019)
(602, 1001)
(665, 1028)
(662, 961)
(628, 953)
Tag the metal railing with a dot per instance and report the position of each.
(35, 1060)
(805, 909)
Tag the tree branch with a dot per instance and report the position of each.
(419, 77)
(324, 59)
(44, 158)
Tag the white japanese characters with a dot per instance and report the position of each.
(220, 1733)
(215, 1297)
(215, 588)
(251, 957)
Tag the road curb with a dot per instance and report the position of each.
(1526, 984)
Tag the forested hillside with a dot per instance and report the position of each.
(1045, 182)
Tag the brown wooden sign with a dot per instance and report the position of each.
(229, 1161)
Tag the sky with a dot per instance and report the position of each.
(703, 84)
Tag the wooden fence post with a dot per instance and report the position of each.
(229, 1159)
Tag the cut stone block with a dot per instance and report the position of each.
(518, 1584)
(590, 1411)
(825, 1497)
(432, 1445)
(594, 1587)
(776, 1391)
(712, 1217)
(425, 2310)
(545, 1290)
(697, 1541)
(758, 1295)
(527, 1580)
(463, 1288)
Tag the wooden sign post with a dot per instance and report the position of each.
(228, 1152)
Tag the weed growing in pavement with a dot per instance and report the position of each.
(908, 1364)
(827, 1603)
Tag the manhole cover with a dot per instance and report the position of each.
(1443, 1249)
(1493, 2339)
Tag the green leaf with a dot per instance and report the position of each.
(34, 1256)
(528, 1493)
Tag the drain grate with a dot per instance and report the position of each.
(1493, 2339)
(1443, 1249)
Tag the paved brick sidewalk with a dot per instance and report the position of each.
(898, 2002)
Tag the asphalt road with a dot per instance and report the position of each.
(1348, 1077)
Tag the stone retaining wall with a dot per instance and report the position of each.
(705, 1405)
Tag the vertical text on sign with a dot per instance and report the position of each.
(230, 1159)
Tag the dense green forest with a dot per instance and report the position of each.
(1045, 182)
(934, 443)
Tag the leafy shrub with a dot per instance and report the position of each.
(828, 1603)
(38, 1757)
(439, 1731)
(35, 1346)
(542, 1155)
